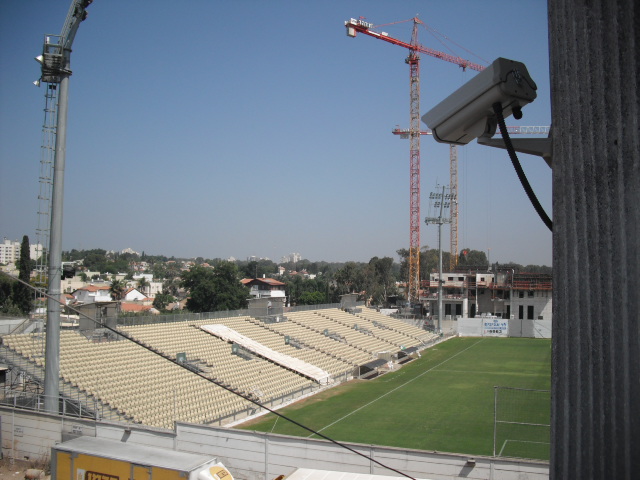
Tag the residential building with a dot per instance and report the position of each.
(72, 284)
(93, 294)
(133, 295)
(291, 258)
(10, 251)
(265, 287)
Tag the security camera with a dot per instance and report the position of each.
(468, 112)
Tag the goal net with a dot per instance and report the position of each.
(521, 425)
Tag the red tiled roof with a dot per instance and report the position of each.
(134, 307)
(268, 281)
(94, 288)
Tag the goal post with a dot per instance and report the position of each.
(521, 426)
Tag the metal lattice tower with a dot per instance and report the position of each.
(453, 189)
(439, 201)
(413, 60)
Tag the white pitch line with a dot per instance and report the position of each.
(397, 388)
(520, 374)
(504, 445)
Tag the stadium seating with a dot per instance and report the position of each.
(146, 388)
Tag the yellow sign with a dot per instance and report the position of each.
(99, 476)
(218, 472)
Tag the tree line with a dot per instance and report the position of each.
(214, 284)
(15, 297)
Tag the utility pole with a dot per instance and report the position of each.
(440, 201)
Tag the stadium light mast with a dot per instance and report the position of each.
(55, 62)
(440, 201)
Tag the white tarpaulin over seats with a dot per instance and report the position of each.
(286, 361)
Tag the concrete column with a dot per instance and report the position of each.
(594, 64)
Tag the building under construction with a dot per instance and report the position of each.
(503, 293)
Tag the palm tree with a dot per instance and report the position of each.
(117, 290)
(143, 285)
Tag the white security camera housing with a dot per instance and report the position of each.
(468, 112)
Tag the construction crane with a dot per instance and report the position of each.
(453, 179)
(413, 60)
(55, 62)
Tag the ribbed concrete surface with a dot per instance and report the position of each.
(594, 56)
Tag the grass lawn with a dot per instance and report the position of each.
(443, 401)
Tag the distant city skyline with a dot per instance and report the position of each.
(288, 258)
(265, 130)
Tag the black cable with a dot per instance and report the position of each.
(215, 382)
(497, 108)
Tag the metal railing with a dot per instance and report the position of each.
(185, 317)
(21, 327)
(72, 400)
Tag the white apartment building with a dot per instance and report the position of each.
(10, 251)
(291, 258)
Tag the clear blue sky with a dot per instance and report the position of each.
(220, 128)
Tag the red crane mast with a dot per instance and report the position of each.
(360, 26)
(413, 60)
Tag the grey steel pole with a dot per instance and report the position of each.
(52, 346)
(495, 417)
(511, 295)
(440, 313)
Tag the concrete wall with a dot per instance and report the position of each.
(30, 436)
(473, 327)
(541, 302)
(253, 455)
(530, 328)
(595, 72)
(261, 456)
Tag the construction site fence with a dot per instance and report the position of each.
(196, 317)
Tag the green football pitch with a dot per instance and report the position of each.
(442, 401)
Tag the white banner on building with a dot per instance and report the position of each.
(495, 327)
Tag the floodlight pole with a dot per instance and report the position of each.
(52, 348)
(442, 201)
(56, 62)
(440, 313)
